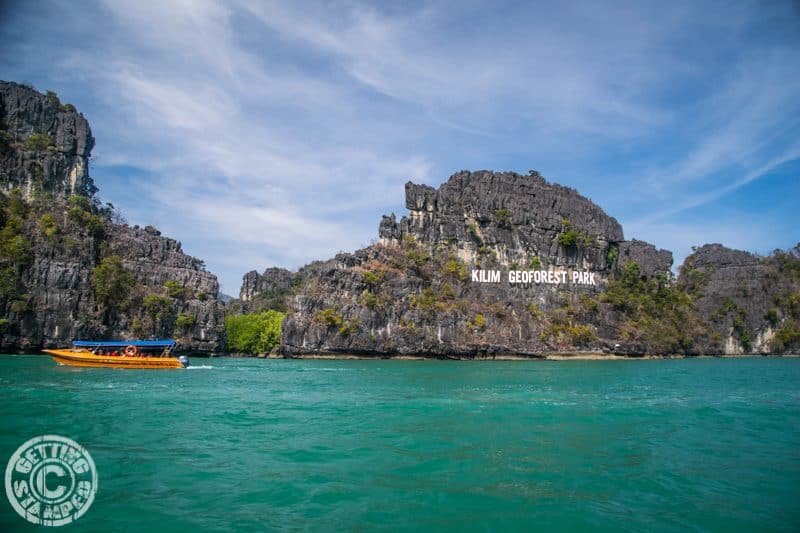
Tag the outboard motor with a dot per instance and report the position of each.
(183, 360)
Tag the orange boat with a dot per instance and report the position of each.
(120, 354)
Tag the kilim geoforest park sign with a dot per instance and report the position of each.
(537, 277)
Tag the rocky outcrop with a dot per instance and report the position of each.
(651, 261)
(425, 287)
(260, 292)
(44, 144)
(750, 301)
(66, 270)
(520, 220)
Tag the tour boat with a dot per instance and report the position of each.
(120, 354)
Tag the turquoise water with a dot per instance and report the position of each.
(239, 445)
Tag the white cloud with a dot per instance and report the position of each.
(274, 132)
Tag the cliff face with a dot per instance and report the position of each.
(438, 281)
(264, 291)
(45, 145)
(752, 303)
(446, 281)
(66, 270)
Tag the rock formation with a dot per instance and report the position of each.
(518, 219)
(415, 291)
(44, 144)
(264, 291)
(752, 303)
(443, 282)
(66, 270)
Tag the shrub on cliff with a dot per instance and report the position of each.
(254, 333)
(185, 320)
(655, 313)
(502, 217)
(111, 282)
(570, 236)
(82, 212)
(176, 290)
(38, 142)
(330, 317)
(454, 268)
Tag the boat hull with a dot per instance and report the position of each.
(85, 358)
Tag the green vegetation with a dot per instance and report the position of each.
(787, 337)
(771, 316)
(111, 283)
(535, 263)
(612, 254)
(48, 224)
(564, 327)
(371, 278)
(330, 317)
(418, 257)
(454, 268)
(373, 301)
(16, 251)
(185, 321)
(478, 321)
(254, 333)
(38, 142)
(414, 253)
(692, 279)
(52, 99)
(176, 290)
(570, 236)
(502, 217)
(730, 307)
(349, 327)
(431, 299)
(535, 310)
(82, 212)
(656, 314)
(17, 248)
(787, 263)
(369, 299)
(20, 306)
(157, 307)
(486, 251)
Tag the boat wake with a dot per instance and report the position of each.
(199, 367)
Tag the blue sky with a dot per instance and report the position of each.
(274, 133)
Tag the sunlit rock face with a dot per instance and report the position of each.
(486, 264)
(55, 244)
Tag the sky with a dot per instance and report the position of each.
(263, 133)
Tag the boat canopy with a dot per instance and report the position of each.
(123, 344)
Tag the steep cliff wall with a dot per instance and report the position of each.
(66, 270)
(752, 303)
(444, 281)
(439, 283)
(269, 290)
(44, 144)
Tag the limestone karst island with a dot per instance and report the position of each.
(490, 264)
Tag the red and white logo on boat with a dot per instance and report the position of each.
(51, 480)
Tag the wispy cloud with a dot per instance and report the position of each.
(266, 133)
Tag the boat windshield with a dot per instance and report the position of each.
(161, 348)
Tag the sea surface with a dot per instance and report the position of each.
(390, 445)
